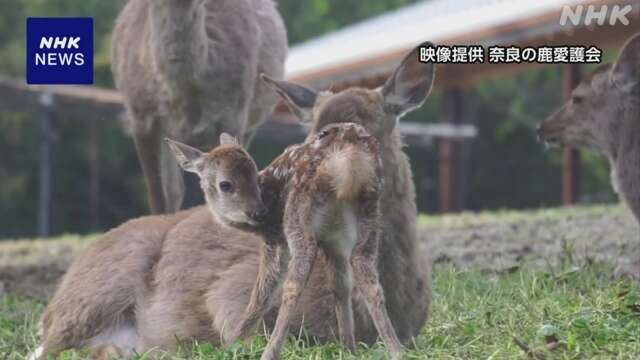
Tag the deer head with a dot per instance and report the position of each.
(228, 177)
(378, 110)
(600, 105)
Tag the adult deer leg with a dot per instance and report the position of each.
(148, 148)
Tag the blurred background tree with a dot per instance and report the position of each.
(507, 167)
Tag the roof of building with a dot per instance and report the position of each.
(373, 46)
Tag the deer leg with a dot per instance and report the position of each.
(366, 272)
(340, 278)
(303, 254)
(238, 126)
(366, 276)
(171, 175)
(273, 260)
(148, 148)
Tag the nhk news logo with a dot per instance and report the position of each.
(59, 50)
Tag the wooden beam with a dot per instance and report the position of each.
(570, 156)
(444, 176)
(450, 154)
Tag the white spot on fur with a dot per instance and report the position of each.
(614, 178)
(36, 353)
(123, 337)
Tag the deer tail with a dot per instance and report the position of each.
(350, 169)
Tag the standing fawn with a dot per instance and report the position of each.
(604, 114)
(323, 194)
(405, 273)
(114, 298)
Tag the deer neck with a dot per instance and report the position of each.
(398, 207)
(396, 169)
(178, 38)
(620, 137)
(622, 147)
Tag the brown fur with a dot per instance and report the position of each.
(188, 69)
(103, 286)
(348, 170)
(197, 248)
(404, 274)
(325, 193)
(604, 114)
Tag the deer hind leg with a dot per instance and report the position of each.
(147, 142)
(366, 275)
(369, 286)
(303, 253)
(340, 278)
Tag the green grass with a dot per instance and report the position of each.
(575, 309)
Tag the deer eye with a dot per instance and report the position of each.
(577, 100)
(323, 134)
(225, 186)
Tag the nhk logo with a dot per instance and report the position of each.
(59, 50)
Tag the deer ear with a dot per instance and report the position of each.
(189, 158)
(626, 71)
(298, 98)
(410, 83)
(226, 139)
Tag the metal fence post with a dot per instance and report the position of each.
(46, 102)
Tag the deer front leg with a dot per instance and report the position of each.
(148, 144)
(303, 253)
(273, 260)
(340, 278)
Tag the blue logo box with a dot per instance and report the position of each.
(59, 50)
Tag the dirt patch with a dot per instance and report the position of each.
(33, 267)
(35, 281)
(497, 242)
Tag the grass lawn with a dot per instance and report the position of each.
(568, 311)
(551, 297)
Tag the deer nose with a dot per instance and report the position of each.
(259, 214)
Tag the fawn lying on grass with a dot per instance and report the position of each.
(604, 114)
(114, 298)
(323, 193)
